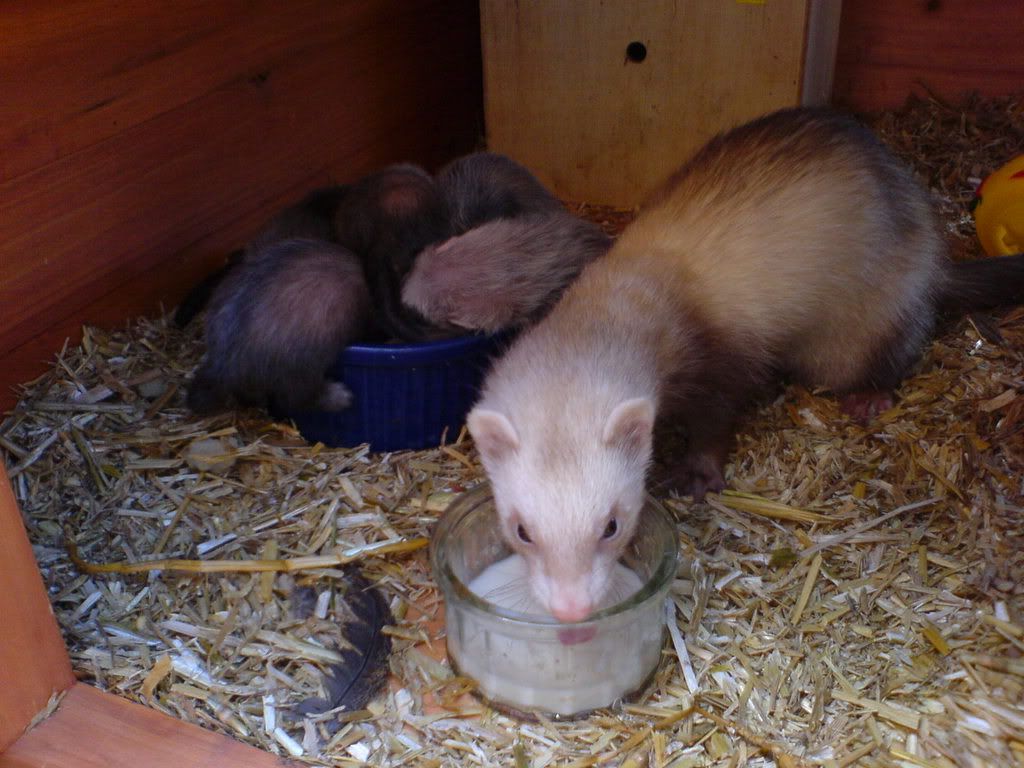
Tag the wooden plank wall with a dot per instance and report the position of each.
(141, 141)
(888, 50)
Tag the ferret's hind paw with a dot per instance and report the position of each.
(335, 396)
(865, 405)
(206, 395)
(695, 475)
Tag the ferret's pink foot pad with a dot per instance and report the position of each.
(867, 404)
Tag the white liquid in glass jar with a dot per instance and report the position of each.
(505, 584)
(558, 669)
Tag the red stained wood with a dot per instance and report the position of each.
(85, 71)
(33, 660)
(889, 50)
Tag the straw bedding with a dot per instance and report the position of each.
(856, 599)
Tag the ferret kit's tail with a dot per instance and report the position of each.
(983, 284)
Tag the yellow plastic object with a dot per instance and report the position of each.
(999, 210)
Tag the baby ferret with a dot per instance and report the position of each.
(484, 186)
(387, 218)
(276, 323)
(503, 273)
(796, 244)
(311, 217)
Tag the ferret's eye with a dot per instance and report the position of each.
(523, 535)
(611, 529)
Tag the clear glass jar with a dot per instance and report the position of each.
(523, 663)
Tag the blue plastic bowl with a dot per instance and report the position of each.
(404, 396)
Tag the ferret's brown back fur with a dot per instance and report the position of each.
(485, 186)
(800, 238)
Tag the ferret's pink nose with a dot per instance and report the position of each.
(570, 607)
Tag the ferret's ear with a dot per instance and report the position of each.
(631, 427)
(493, 433)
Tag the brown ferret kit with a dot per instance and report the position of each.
(515, 248)
(386, 218)
(796, 245)
(486, 186)
(275, 325)
(282, 312)
(311, 217)
(503, 273)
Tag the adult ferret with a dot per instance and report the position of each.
(794, 245)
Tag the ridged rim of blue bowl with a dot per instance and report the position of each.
(402, 354)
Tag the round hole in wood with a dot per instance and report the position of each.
(636, 52)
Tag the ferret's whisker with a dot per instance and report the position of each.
(522, 604)
(514, 594)
(512, 587)
(617, 593)
(621, 588)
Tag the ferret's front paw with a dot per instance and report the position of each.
(335, 396)
(695, 475)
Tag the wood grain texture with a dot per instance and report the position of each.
(147, 140)
(561, 96)
(889, 50)
(85, 71)
(33, 659)
(93, 729)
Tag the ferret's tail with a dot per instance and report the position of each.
(983, 284)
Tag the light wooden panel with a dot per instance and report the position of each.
(561, 96)
(33, 661)
(146, 139)
(92, 729)
(888, 50)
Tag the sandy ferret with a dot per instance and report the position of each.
(503, 273)
(275, 325)
(793, 245)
